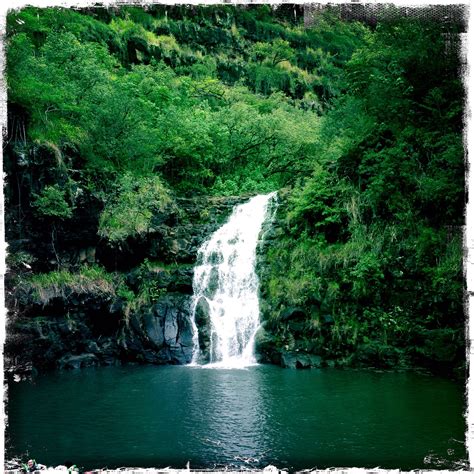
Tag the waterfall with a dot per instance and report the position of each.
(225, 307)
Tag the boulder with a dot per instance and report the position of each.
(298, 360)
(77, 361)
(154, 329)
(266, 350)
(202, 318)
(213, 283)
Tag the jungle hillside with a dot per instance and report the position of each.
(131, 131)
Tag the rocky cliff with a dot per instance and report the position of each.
(91, 320)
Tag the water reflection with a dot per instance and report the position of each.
(230, 426)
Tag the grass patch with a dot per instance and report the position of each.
(62, 283)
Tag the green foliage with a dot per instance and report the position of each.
(51, 202)
(374, 233)
(18, 261)
(148, 291)
(272, 53)
(318, 205)
(147, 92)
(129, 212)
(66, 71)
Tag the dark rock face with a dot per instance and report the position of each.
(292, 313)
(266, 346)
(177, 239)
(160, 334)
(76, 362)
(203, 323)
(51, 341)
(296, 360)
(269, 351)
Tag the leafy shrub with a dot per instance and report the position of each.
(129, 212)
(51, 202)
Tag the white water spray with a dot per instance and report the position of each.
(225, 278)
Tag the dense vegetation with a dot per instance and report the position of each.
(120, 111)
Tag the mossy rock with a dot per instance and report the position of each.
(300, 360)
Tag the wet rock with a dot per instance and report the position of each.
(77, 361)
(164, 356)
(162, 333)
(213, 283)
(297, 360)
(202, 316)
(265, 347)
(154, 329)
(108, 347)
(181, 281)
(203, 323)
(171, 327)
(109, 353)
(185, 330)
(184, 354)
(134, 322)
(92, 347)
(149, 356)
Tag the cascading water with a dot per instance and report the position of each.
(226, 287)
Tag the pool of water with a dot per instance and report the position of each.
(166, 416)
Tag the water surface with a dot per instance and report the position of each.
(166, 416)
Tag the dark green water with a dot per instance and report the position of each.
(166, 416)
